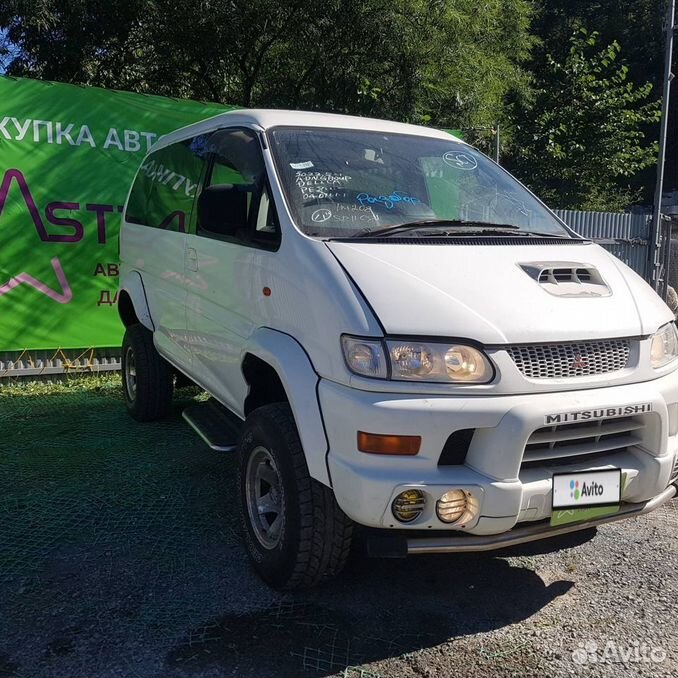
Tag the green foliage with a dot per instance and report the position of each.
(635, 24)
(574, 126)
(60, 384)
(444, 62)
(582, 134)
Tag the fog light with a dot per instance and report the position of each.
(451, 506)
(408, 505)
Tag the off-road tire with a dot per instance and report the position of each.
(315, 539)
(154, 376)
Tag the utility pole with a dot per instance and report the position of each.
(658, 263)
(496, 143)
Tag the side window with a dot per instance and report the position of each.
(235, 203)
(166, 184)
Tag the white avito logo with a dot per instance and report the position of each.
(613, 653)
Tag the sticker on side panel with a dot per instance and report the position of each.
(460, 160)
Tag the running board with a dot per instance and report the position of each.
(214, 424)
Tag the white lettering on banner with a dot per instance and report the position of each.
(167, 177)
(176, 184)
(21, 130)
(55, 131)
(147, 168)
(85, 136)
(162, 175)
(64, 133)
(132, 141)
(113, 139)
(150, 137)
(36, 130)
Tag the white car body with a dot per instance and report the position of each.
(210, 304)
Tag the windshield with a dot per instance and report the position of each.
(343, 183)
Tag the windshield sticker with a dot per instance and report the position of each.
(301, 165)
(460, 160)
(321, 215)
(388, 201)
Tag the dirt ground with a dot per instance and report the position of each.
(120, 555)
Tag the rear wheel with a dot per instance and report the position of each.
(295, 533)
(147, 378)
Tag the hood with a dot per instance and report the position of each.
(498, 294)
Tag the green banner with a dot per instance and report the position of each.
(67, 157)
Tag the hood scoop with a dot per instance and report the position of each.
(567, 279)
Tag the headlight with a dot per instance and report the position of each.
(664, 347)
(365, 356)
(416, 361)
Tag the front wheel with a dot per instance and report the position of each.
(295, 533)
(147, 378)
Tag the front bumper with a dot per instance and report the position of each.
(508, 494)
(530, 532)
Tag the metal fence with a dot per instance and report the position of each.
(625, 235)
(61, 361)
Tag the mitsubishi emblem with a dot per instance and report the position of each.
(579, 363)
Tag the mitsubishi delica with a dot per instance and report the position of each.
(396, 337)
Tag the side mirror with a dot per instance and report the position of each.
(222, 208)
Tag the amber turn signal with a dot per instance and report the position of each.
(376, 443)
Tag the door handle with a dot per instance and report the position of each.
(191, 259)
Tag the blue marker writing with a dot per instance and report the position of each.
(388, 201)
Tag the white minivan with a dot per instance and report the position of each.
(395, 334)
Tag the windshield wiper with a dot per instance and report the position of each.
(490, 230)
(479, 228)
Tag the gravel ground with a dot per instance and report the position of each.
(120, 555)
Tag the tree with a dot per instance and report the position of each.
(573, 123)
(446, 62)
(637, 26)
(583, 134)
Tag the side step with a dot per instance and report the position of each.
(218, 427)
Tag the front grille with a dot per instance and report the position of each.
(576, 359)
(582, 440)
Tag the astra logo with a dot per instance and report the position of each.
(62, 297)
(58, 213)
(591, 489)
